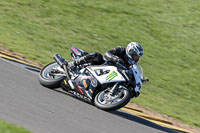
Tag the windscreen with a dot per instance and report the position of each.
(140, 70)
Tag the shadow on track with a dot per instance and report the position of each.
(127, 116)
(142, 121)
(71, 95)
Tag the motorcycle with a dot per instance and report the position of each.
(108, 87)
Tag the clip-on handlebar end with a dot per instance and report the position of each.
(146, 79)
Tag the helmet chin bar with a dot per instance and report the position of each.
(131, 61)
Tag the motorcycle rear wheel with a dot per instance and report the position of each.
(118, 100)
(47, 80)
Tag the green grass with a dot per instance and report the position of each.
(169, 31)
(9, 128)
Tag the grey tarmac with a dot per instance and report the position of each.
(24, 102)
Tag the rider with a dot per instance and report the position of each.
(126, 56)
(94, 58)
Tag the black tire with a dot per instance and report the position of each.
(51, 83)
(110, 107)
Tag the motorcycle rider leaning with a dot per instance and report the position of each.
(125, 56)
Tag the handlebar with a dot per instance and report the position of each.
(116, 63)
(146, 79)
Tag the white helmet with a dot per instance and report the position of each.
(134, 51)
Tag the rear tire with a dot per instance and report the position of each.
(48, 81)
(100, 100)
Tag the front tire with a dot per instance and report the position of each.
(109, 103)
(48, 81)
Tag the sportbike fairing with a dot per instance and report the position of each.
(137, 72)
(106, 74)
(93, 76)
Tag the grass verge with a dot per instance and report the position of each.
(10, 128)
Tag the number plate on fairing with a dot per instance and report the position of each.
(106, 74)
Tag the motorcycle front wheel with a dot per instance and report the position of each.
(106, 101)
(48, 76)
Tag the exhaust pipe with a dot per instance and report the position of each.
(63, 63)
(58, 58)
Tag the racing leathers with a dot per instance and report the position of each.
(94, 58)
(118, 55)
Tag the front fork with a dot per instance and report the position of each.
(112, 91)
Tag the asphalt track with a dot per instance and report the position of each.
(23, 101)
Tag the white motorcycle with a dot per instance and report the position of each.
(109, 87)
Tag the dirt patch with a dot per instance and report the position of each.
(144, 109)
(19, 56)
